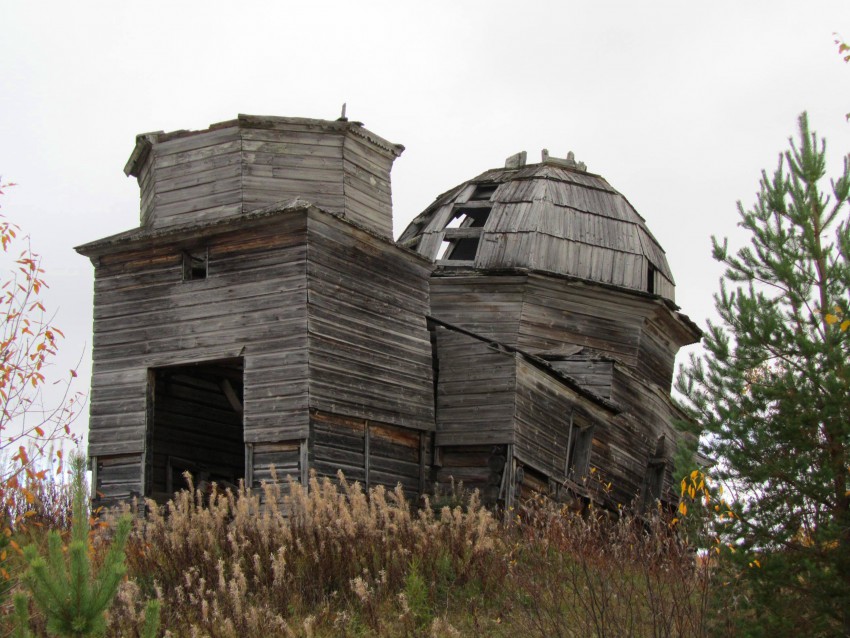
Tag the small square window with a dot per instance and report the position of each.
(195, 264)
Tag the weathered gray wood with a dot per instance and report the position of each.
(370, 347)
(249, 163)
(552, 219)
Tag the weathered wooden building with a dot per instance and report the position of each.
(520, 332)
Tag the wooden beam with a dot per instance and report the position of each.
(303, 464)
(232, 398)
(249, 465)
(461, 233)
(366, 453)
(422, 450)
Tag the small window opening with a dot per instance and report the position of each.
(195, 264)
(650, 279)
(483, 192)
(465, 248)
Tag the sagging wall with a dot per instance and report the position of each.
(502, 415)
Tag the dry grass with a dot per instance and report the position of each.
(341, 562)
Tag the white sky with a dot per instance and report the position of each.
(679, 105)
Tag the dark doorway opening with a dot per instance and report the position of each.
(195, 426)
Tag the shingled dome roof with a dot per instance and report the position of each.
(553, 217)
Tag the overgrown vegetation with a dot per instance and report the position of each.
(345, 563)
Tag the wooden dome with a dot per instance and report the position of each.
(551, 217)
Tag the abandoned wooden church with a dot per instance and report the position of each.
(520, 333)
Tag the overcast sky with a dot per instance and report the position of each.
(678, 105)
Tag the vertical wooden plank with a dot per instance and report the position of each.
(249, 465)
(509, 475)
(422, 451)
(569, 445)
(303, 464)
(147, 452)
(366, 453)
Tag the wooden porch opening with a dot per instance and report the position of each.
(194, 425)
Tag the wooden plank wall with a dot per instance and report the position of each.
(253, 162)
(338, 444)
(543, 408)
(117, 476)
(657, 354)
(283, 456)
(370, 349)
(488, 305)
(558, 314)
(192, 177)
(371, 453)
(594, 374)
(285, 161)
(476, 386)
(252, 304)
(368, 194)
(653, 415)
(470, 467)
(398, 456)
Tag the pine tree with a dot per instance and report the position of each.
(72, 598)
(771, 396)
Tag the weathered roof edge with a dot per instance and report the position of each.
(144, 141)
(141, 234)
(671, 306)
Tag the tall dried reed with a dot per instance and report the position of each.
(329, 559)
(235, 564)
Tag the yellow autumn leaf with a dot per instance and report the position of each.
(683, 509)
(844, 325)
(831, 319)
